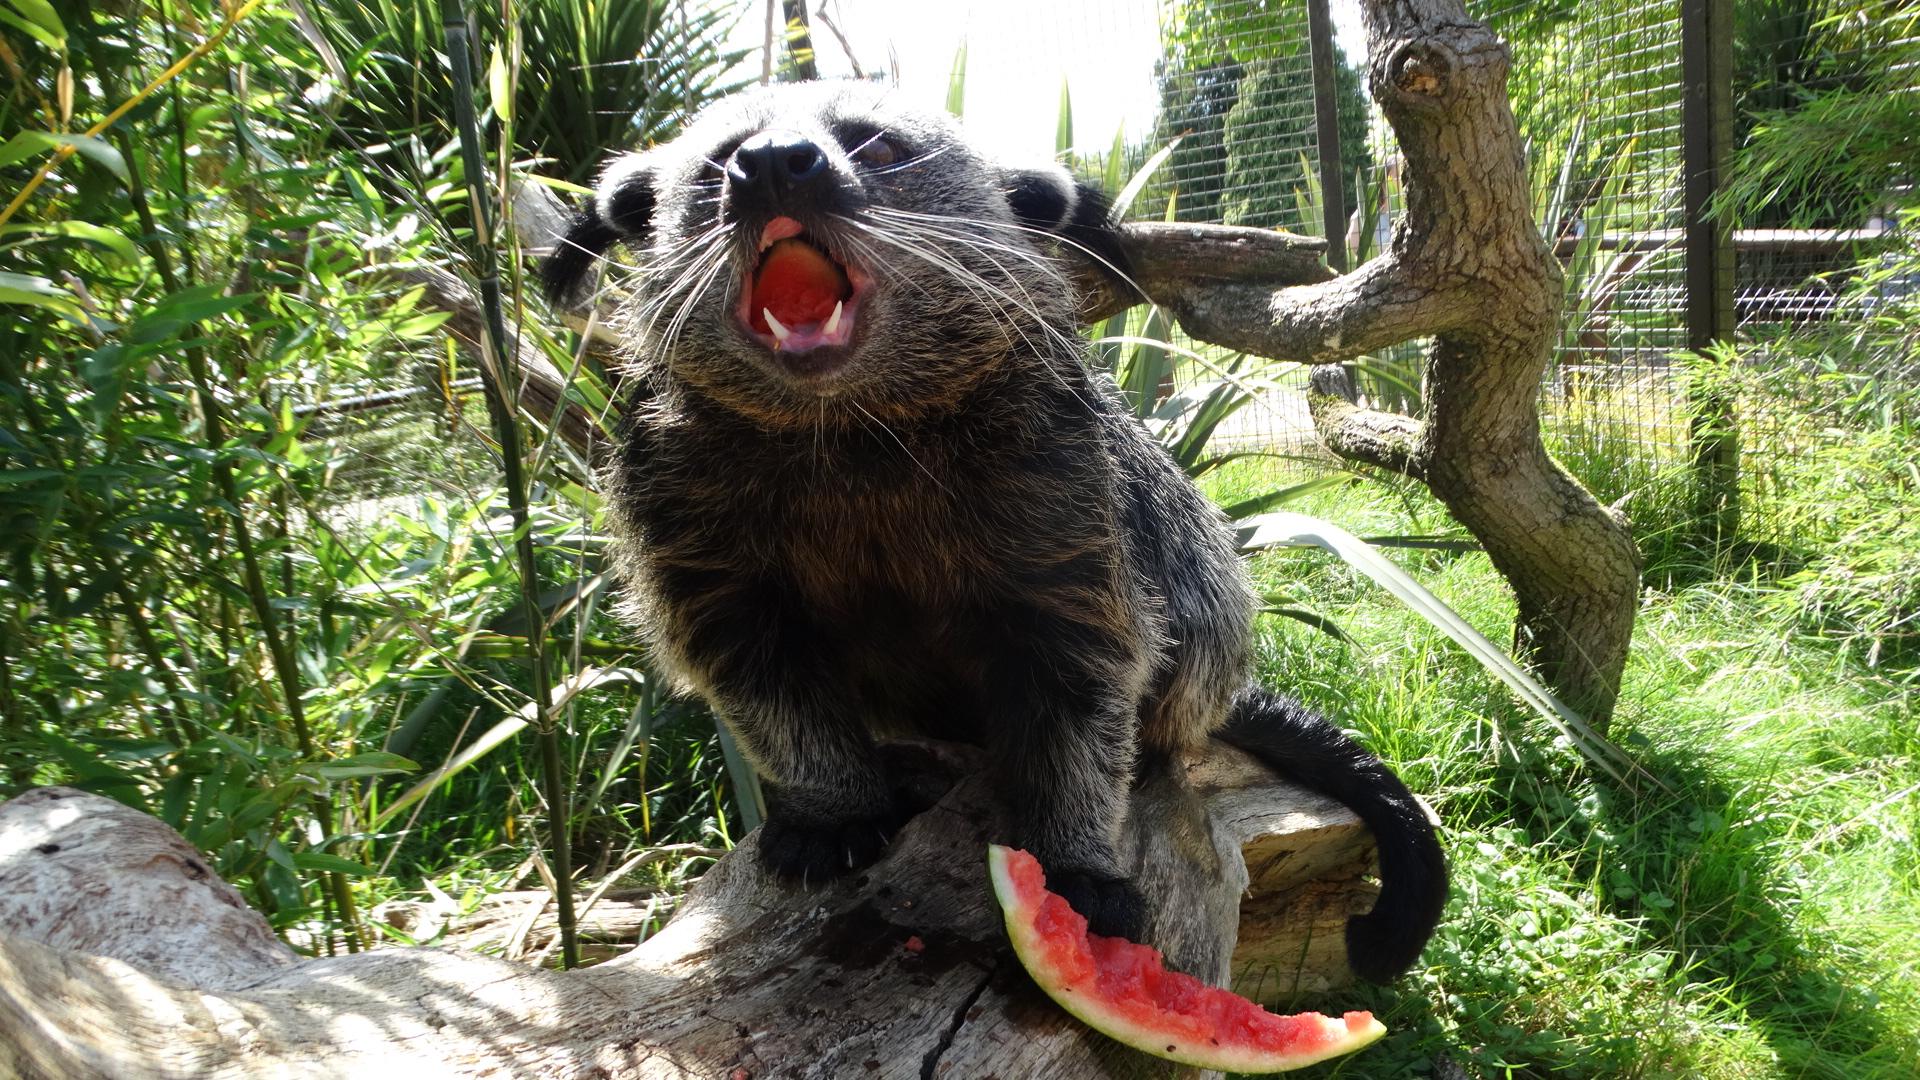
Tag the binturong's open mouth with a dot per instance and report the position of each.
(799, 297)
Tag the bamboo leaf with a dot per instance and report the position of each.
(499, 87)
(373, 763)
(56, 42)
(36, 291)
(321, 862)
(26, 144)
(30, 143)
(24, 477)
(107, 238)
(42, 15)
(493, 737)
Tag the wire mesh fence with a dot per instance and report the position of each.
(1239, 108)
(1599, 92)
(1599, 89)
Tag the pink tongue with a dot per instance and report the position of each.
(798, 283)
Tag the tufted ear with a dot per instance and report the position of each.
(1049, 198)
(621, 210)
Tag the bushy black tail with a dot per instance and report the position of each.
(1309, 750)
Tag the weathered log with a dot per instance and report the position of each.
(122, 955)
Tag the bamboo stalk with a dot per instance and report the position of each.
(493, 372)
(174, 711)
(13, 718)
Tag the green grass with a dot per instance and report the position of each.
(1761, 920)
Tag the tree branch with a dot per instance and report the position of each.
(1378, 305)
(1370, 436)
(1174, 263)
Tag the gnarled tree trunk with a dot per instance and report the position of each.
(1468, 268)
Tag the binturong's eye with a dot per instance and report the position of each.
(876, 151)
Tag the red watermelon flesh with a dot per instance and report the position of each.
(1125, 991)
(799, 283)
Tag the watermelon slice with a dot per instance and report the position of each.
(1123, 990)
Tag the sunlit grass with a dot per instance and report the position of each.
(1762, 920)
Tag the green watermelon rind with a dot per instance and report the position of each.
(1027, 945)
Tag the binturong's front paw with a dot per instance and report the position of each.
(1113, 907)
(811, 851)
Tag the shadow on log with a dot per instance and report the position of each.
(124, 956)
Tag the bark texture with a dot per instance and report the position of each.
(121, 955)
(1575, 570)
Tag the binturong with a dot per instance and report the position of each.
(869, 485)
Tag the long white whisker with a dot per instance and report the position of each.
(949, 228)
(702, 280)
(1017, 227)
(1060, 338)
(932, 254)
(912, 161)
(866, 142)
(876, 262)
(997, 300)
(693, 265)
(1039, 262)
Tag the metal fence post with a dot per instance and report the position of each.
(1326, 114)
(1706, 66)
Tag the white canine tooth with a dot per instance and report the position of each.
(779, 332)
(833, 321)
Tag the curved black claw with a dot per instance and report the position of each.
(1112, 906)
(809, 851)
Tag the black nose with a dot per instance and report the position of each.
(774, 163)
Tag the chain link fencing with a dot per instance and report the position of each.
(1599, 90)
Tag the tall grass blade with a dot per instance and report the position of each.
(746, 782)
(1287, 529)
(1124, 201)
(957, 82)
(1063, 125)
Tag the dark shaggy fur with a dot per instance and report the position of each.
(946, 525)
